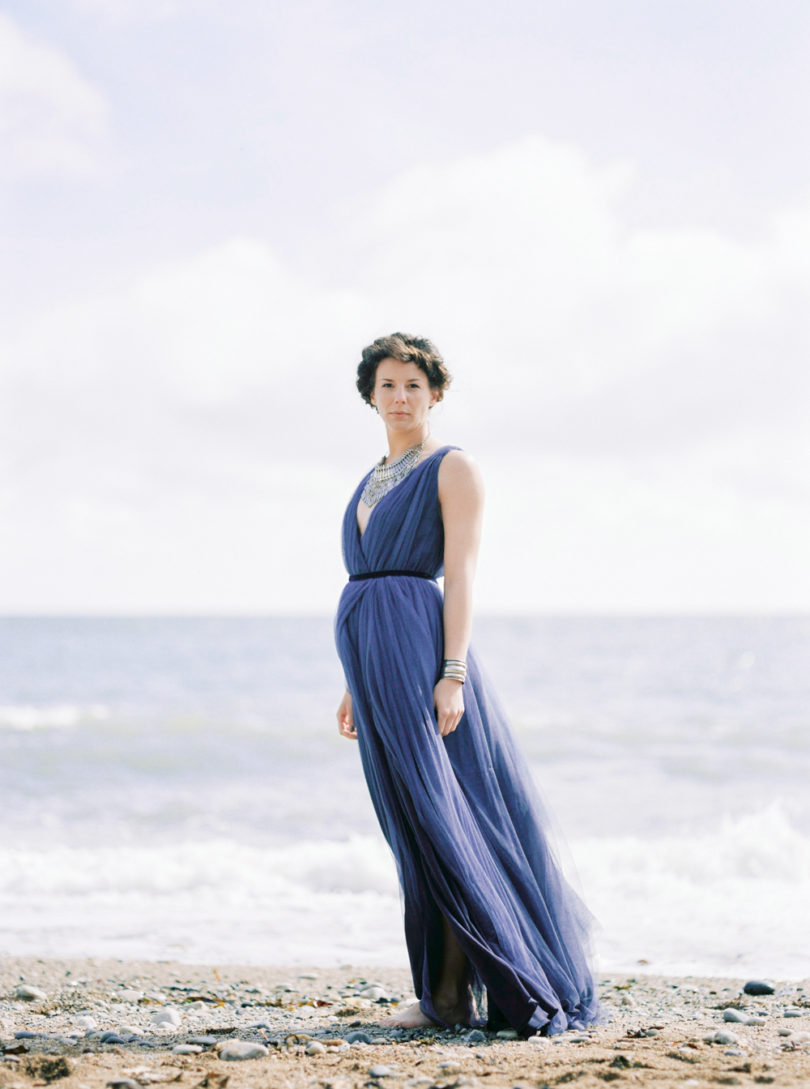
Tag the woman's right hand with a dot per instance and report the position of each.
(345, 718)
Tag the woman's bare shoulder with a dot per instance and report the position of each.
(459, 470)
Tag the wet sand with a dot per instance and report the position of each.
(86, 1024)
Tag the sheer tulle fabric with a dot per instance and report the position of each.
(460, 813)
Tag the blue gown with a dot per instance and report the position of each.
(460, 813)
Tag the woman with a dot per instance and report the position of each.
(487, 912)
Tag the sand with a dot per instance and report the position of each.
(658, 1034)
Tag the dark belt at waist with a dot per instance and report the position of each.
(387, 574)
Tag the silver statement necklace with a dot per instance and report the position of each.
(385, 477)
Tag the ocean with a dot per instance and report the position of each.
(176, 788)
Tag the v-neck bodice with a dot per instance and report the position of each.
(404, 530)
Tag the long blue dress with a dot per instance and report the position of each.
(460, 813)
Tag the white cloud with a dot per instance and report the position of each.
(637, 398)
(193, 378)
(52, 119)
(138, 11)
(610, 337)
(688, 534)
(175, 441)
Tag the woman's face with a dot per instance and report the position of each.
(402, 394)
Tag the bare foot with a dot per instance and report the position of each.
(409, 1016)
(457, 1014)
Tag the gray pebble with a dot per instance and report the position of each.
(29, 994)
(168, 1015)
(206, 1041)
(237, 1050)
(721, 1037)
(357, 1037)
(475, 1036)
(381, 1072)
(26, 1035)
(186, 1049)
(507, 1034)
(758, 986)
(735, 1015)
(785, 1032)
(373, 991)
(733, 1051)
(450, 1066)
(314, 1047)
(793, 1013)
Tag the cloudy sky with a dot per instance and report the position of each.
(598, 209)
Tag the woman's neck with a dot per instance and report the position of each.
(399, 442)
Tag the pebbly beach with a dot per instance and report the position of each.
(95, 1023)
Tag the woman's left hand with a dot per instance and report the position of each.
(448, 700)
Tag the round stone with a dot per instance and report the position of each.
(239, 1050)
(357, 1037)
(758, 986)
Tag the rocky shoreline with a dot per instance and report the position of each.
(89, 1024)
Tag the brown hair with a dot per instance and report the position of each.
(407, 349)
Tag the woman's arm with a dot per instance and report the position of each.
(461, 495)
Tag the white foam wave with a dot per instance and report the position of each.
(59, 716)
(356, 865)
(733, 900)
(326, 902)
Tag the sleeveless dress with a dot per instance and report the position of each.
(460, 813)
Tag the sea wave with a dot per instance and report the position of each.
(730, 901)
(219, 866)
(215, 901)
(54, 716)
